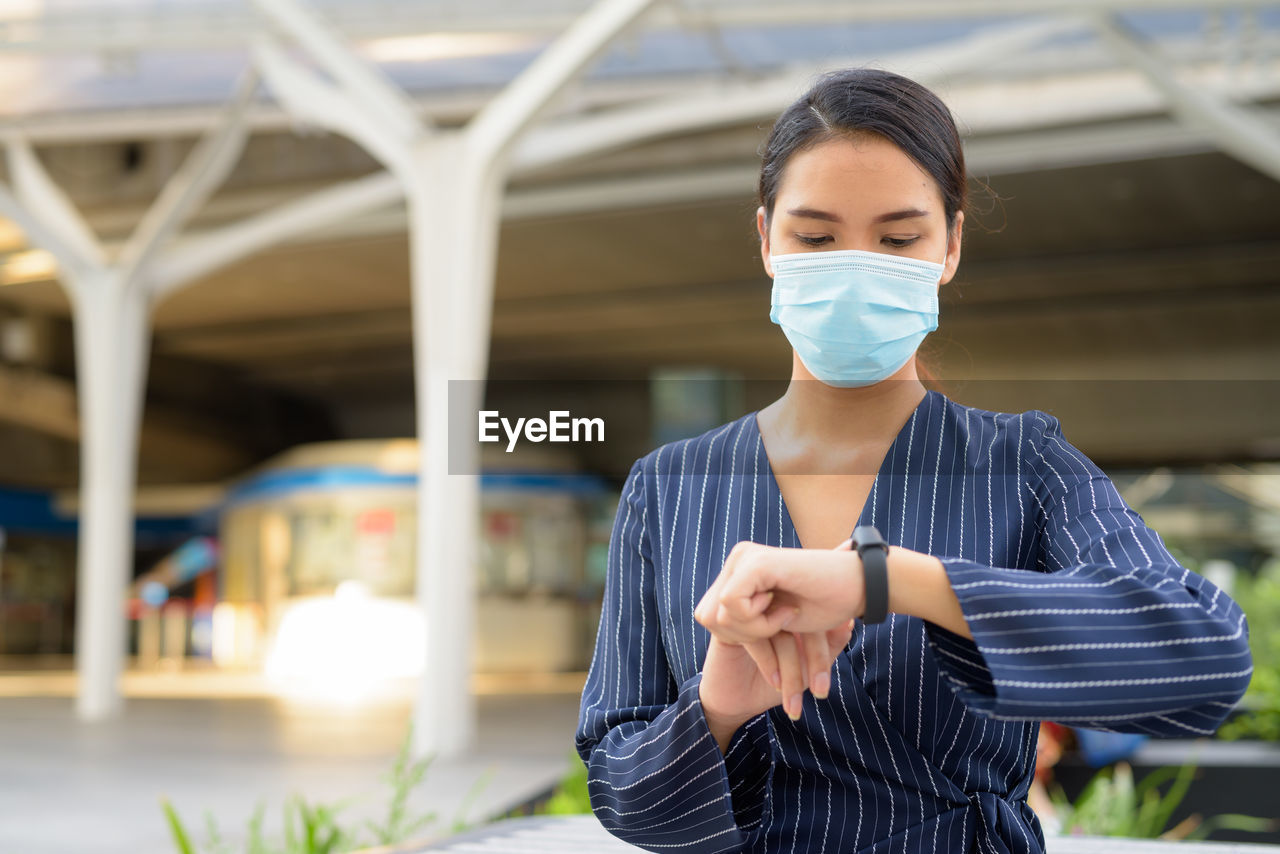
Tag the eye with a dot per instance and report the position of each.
(900, 242)
(813, 241)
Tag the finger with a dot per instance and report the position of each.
(757, 603)
(761, 626)
(702, 612)
(839, 637)
(817, 661)
(745, 609)
(729, 630)
(761, 652)
(786, 649)
(705, 612)
(750, 578)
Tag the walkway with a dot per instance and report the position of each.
(69, 787)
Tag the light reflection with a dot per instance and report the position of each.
(346, 649)
(30, 265)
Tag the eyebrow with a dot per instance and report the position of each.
(810, 213)
(910, 213)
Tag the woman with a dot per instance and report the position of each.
(1021, 587)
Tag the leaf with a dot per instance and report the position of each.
(459, 821)
(1175, 795)
(1182, 829)
(256, 844)
(1121, 804)
(403, 777)
(180, 837)
(217, 844)
(1156, 778)
(1235, 821)
(1144, 825)
(290, 839)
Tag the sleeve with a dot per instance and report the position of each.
(1110, 633)
(656, 777)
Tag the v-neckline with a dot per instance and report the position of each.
(868, 505)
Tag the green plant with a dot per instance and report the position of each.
(1112, 805)
(570, 796)
(459, 821)
(1259, 596)
(316, 828)
(180, 837)
(403, 777)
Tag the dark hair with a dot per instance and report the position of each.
(861, 100)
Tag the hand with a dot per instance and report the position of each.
(764, 589)
(790, 661)
(734, 688)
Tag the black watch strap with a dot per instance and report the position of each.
(874, 554)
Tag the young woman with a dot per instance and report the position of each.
(804, 707)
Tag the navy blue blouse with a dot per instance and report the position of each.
(927, 741)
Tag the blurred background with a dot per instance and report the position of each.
(237, 165)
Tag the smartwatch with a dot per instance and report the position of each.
(873, 551)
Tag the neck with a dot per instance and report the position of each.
(814, 414)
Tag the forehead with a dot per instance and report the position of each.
(858, 176)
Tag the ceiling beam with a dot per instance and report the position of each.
(1235, 130)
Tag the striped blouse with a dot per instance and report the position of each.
(927, 740)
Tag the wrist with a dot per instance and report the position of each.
(909, 577)
(722, 726)
(858, 603)
(919, 587)
(718, 717)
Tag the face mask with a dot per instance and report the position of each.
(854, 317)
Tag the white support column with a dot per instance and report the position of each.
(112, 344)
(199, 256)
(443, 209)
(454, 217)
(45, 214)
(203, 171)
(1233, 128)
(111, 302)
(110, 318)
(453, 183)
(368, 86)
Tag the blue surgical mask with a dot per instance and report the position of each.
(854, 317)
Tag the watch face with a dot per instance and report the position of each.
(865, 536)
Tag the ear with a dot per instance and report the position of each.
(953, 250)
(763, 231)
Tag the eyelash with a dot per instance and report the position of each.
(895, 242)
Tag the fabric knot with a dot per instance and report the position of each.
(1002, 825)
